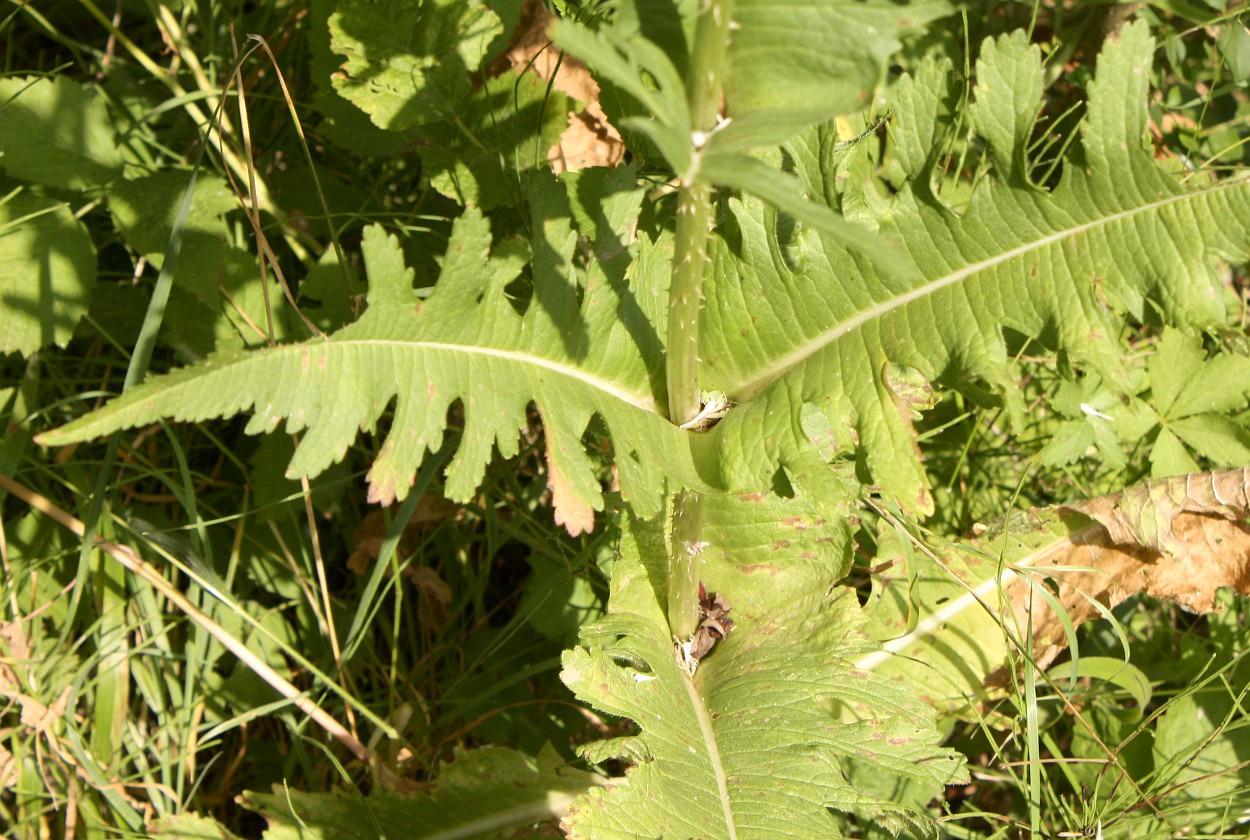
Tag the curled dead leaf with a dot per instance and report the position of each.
(1178, 539)
(713, 624)
(589, 140)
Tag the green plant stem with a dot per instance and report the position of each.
(707, 63)
(685, 299)
(690, 261)
(686, 564)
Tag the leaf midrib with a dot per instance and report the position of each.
(978, 596)
(645, 402)
(782, 365)
(140, 401)
(713, 754)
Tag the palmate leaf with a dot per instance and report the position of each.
(466, 343)
(794, 321)
(757, 743)
(1193, 397)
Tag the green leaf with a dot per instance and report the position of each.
(343, 124)
(1191, 395)
(408, 61)
(756, 743)
(56, 133)
(644, 72)
(793, 324)
(324, 297)
(750, 175)
(1184, 382)
(211, 269)
(1221, 440)
(503, 128)
(557, 599)
(144, 211)
(482, 794)
(794, 64)
(923, 103)
(1108, 669)
(669, 24)
(47, 273)
(815, 326)
(1168, 457)
(1098, 419)
(1008, 91)
(937, 621)
(467, 343)
(1200, 748)
(189, 827)
(772, 88)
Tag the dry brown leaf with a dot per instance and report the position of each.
(589, 140)
(37, 716)
(371, 532)
(434, 597)
(8, 769)
(1178, 539)
(13, 648)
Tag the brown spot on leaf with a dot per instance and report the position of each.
(571, 511)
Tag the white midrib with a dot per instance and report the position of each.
(605, 386)
(783, 364)
(977, 598)
(713, 754)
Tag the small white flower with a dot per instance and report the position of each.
(1089, 411)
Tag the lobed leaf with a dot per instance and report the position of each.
(794, 320)
(408, 61)
(805, 336)
(484, 793)
(759, 741)
(572, 359)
